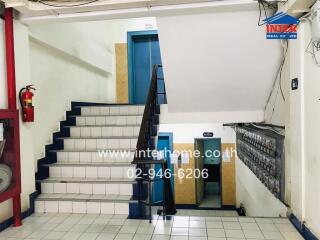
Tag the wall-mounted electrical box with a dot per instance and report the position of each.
(263, 153)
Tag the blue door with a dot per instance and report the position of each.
(144, 51)
(163, 144)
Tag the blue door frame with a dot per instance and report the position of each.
(158, 185)
(130, 39)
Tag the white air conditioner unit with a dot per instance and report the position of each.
(5, 171)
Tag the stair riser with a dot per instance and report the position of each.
(99, 144)
(108, 120)
(90, 172)
(81, 207)
(104, 132)
(100, 189)
(93, 157)
(87, 188)
(114, 110)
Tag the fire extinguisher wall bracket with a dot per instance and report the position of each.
(27, 109)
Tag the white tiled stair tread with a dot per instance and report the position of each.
(112, 110)
(98, 138)
(99, 143)
(107, 125)
(100, 188)
(93, 151)
(98, 131)
(111, 105)
(81, 164)
(105, 121)
(92, 170)
(88, 180)
(83, 207)
(94, 157)
(84, 197)
(107, 115)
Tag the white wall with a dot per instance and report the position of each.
(301, 115)
(296, 123)
(278, 112)
(72, 39)
(217, 62)
(191, 127)
(312, 143)
(255, 197)
(68, 62)
(58, 81)
(74, 62)
(209, 117)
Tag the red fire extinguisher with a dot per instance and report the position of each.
(25, 96)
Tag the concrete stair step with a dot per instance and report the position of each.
(83, 203)
(112, 110)
(94, 120)
(86, 180)
(90, 144)
(87, 157)
(93, 170)
(106, 131)
(67, 186)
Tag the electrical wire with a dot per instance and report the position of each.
(263, 5)
(274, 105)
(66, 5)
(266, 128)
(280, 83)
(280, 77)
(260, 5)
(315, 46)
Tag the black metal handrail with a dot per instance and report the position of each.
(150, 117)
(146, 143)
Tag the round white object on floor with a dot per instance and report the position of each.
(5, 177)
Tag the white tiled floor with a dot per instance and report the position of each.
(211, 200)
(118, 227)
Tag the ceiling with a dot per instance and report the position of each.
(39, 12)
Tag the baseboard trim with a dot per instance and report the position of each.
(7, 223)
(302, 228)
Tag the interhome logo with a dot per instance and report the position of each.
(281, 26)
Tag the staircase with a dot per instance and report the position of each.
(80, 180)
